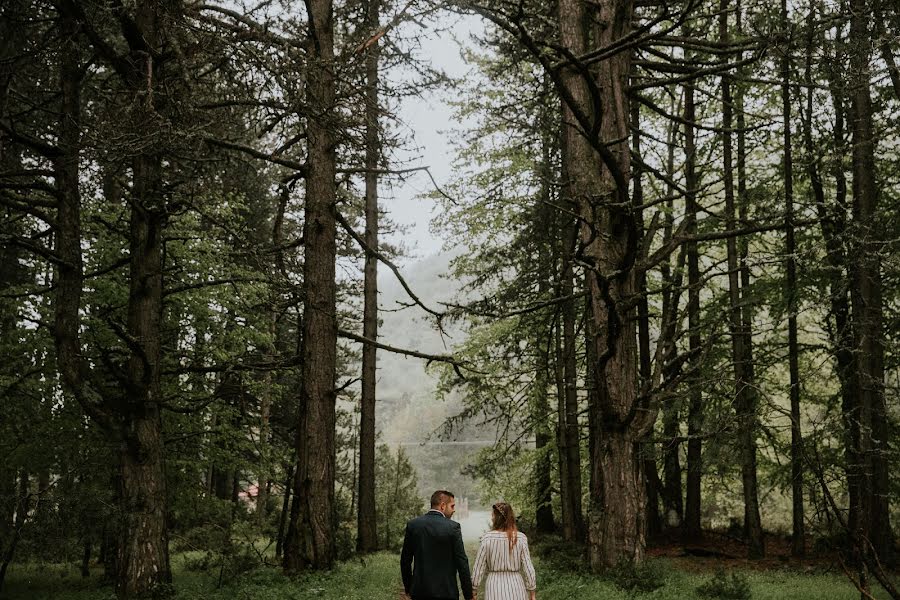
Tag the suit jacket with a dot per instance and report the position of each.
(432, 555)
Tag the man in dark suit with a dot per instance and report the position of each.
(433, 554)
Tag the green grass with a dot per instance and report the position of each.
(377, 577)
(771, 585)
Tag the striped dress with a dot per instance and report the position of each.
(510, 574)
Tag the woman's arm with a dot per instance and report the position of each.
(527, 568)
(480, 564)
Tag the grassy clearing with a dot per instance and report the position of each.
(377, 578)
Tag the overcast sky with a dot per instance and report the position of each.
(429, 121)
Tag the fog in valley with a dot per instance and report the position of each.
(409, 411)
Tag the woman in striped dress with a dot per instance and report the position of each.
(503, 558)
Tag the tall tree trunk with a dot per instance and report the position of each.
(143, 553)
(565, 481)
(672, 491)
(832, 222)
(544, 520)
(745, 396)
(598, 170)
(7, 504)
(315, 527)
(648, 452)
(285, 510)
(86, 547)
(692, 525)
(573, 526)
(263, 478)
(11, 41)
(23, 506)
(747, 302)
(798, 535)
(884, 42)
(866, 294)
(563, 270)
(540, 405)
(367, 540)
(130, 416)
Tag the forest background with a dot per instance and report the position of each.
(666, 312)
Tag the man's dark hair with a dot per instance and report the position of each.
(440, 496)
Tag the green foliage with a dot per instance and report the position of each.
(507, 474)
(735, 587)
(396, 495)
(160, 591)
(558, 554)
(637, 578)
(227, 565)
(377, 577)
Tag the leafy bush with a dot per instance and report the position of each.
(831, 541)
(641, 578)
(226, 565)
(160, 591)
(207, 527)
(736, 587)
(396, 497)
(558, 554)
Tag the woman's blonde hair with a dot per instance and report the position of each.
(504, 519)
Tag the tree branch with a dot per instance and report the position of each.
(430, 358)
(384, 259)
(301, 168)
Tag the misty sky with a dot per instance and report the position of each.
(429, 121)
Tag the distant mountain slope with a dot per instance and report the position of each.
(408, 412)
(407, 407)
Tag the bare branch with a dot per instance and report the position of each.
(384, 259)
(301, 168)
(457, 364)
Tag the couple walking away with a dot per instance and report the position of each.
(433, 554)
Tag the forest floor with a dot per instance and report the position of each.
(376, 577)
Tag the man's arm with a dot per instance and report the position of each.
(406, 558)
(462, 562)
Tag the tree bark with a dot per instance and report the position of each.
(832, 222)
(745, 397)
(573, 520)
(86, 548)
(263, 477)
(23, 506)
(672, 491)
(884, 42)
(314, 529)
(647, 450)
(692, 525)
(285, 508)
(747, 302)
(798, 534)
(143, 560)
(598, 170)
(866, 292)
(11, 272)
(367, 535)
(131, 416)
(540, 405)
(565, 481)
(543, 485)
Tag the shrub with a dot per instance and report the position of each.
(641, 578)
(558, 554)
(160, 591)
(228, 564)
(736, 587)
